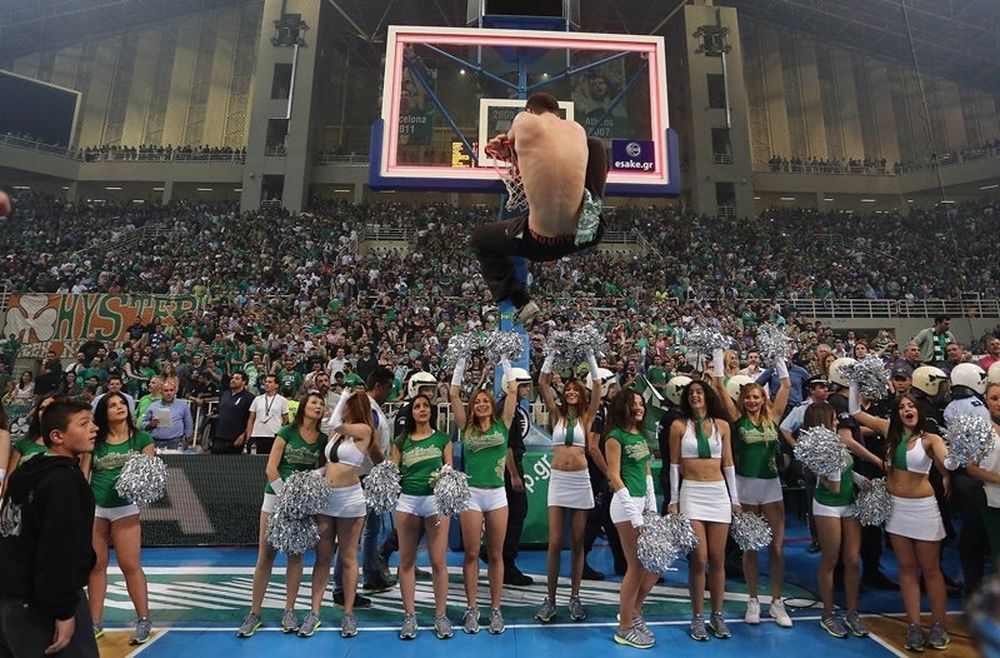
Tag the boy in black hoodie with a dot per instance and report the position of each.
(45, 543)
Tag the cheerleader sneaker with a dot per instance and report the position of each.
(633, 638)
(408, 630)
(143, 629)
(547, 612)
(752, 615)
(938, 638)
(915, 638)
(697, 629)
(778, 613)
(856, 625)
(576, 610)
(717, 624)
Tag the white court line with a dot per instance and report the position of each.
(888, 647)
(150, 643)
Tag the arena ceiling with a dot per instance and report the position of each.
(959, 39)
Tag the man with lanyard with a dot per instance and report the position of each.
(933, 341)
(517, 497)
(268, 413)
(599, 517)
(231, 417)
(379, 386)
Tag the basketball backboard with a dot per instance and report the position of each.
(446, 91)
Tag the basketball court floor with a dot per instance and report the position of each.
(198, 597)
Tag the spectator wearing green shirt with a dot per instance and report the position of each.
(155, 393)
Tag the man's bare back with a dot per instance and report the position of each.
(552, 156)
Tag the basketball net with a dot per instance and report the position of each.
(505, 164)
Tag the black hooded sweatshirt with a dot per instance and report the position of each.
(46, 524)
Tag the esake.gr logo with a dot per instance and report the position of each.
(632, 155)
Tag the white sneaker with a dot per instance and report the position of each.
(777, 611)
(752, 615)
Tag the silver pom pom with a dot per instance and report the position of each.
(655, 550)
(872, 503)
(382, 487)
(821, 451)
(305, 493)
(970, 439)
(588, 338)
(751, 531)
(870, 375)
(773, 343)
(451, 491)
(680, 533)
(497, 344)
(460, 347)
(560, 344)
(704, 340)
(293, 536)
(143, 480)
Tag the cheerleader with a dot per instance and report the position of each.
(988, 472)
(421, 451)
(297, 447)
(755, 447)
(569, 480)
(31, 445)
(485, 456)
(701, 453)
(838, 530)
(628, 460)
(915, 527)
(341, 522)
(118, 440)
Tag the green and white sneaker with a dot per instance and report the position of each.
(633, 638)
(309, 625)
(856, 624)
(547, 612)
(497, 624)
(249, 626)
(470, 621)
(408, 630)
(348, 626)
(442, 627)
(143, 628)
(289, 622)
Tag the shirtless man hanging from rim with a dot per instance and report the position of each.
(563, 172)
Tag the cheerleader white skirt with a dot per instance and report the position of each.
(759, 491)
(487, 500)
(618, 512)
(706, 501)
(346, 502)
(916, 518)
(839, 511)
(570, 489)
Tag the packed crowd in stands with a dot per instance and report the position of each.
(279, 285)
(145, 152)
(878, 166)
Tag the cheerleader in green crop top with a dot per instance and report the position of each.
(297, 447)
(628, 460)
(485, 457)
(839, 533)
(420, 452)
(755, 450)
(116, 520)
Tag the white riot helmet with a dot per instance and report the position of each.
(928, 380)
(607, 378)
(970, 376)
(521, 376)
(993, 374)
(675, 388)
(418, 381)
(836, 375)
(736, 384)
